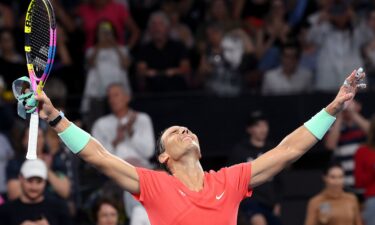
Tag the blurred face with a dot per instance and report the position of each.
(107, 215)
(289, 60)
(6, 41)
(32, 188)
(158, 28)
(341, 20)
(214, 36)
(371, 20)
(278, 9)
(178, 141)
(105, 34)
(218, 10)
(41, 140)
(117, 98)
(335, 178)
(259, 130)
(232, 51)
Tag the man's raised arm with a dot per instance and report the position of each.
(293, 146)
(90, 149)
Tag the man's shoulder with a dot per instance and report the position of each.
(273, 73)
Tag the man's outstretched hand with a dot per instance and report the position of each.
(46, 109)
(347, 92)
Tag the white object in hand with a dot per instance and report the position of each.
(33, 136)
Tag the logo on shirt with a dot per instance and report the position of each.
(181, 192)
(218, 197)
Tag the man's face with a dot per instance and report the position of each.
(232, 51)
(158, 29)
(33, 187)
(290, 60)
(259, 130)
(178, 141)
(117, 98)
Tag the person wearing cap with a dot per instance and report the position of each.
(264, 206)
(188, 195)
(32, 207)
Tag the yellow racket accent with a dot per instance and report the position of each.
(27, 49)
(30, 66)
(29, 16)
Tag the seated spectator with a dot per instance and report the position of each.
(289, 78)
(224, 63)
(32, 207)
(365, 174)
(58, 184)
(271, 35)
(11, 62)
(264, 206)
(6, 153)
(345, 136)
(333, 205)
(6, 16)
(107, 63)
(125, 132)
(162, 64)
(368, 49)
(334, 36)
(95, 11)
(106, 212)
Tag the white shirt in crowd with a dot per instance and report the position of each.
(6, 152)
(140, 146)
(276, 83)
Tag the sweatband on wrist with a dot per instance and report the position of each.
(319, 124)
(75, 138)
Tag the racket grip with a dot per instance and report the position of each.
(33, 136)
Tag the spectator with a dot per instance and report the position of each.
(338, 46)
(57, 181)
(11, 61)
(125, 132)
(107, 63)
(32, 207)
(61, 155)
(264, 206)
(106, 212)
(6, 152)
(368, 49)
(289, 78)
(95, 11)
(225, 61)
(178, 31)
(270, 37)
(163, 64)
(365, 174)
(344, 138)
(6, 16)
(333, 205)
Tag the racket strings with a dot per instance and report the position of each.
(39, 37)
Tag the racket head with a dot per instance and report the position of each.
(40, 42)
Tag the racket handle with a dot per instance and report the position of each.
(33, 136)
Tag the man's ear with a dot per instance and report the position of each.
(163, 158)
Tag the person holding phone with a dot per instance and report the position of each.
(333, 205)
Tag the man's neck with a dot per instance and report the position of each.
(27, 200)
(190, 173)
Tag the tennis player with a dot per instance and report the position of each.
(187, 195)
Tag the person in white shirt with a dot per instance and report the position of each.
(339, 45)
(289, 78)
(125, 132)
(6, 152)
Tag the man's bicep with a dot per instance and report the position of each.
(115, 168)
(266, 166)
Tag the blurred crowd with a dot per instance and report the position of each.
(111, 50)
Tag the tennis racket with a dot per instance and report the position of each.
(40, 47)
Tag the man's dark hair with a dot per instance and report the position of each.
(98, 205)
(160, 149)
